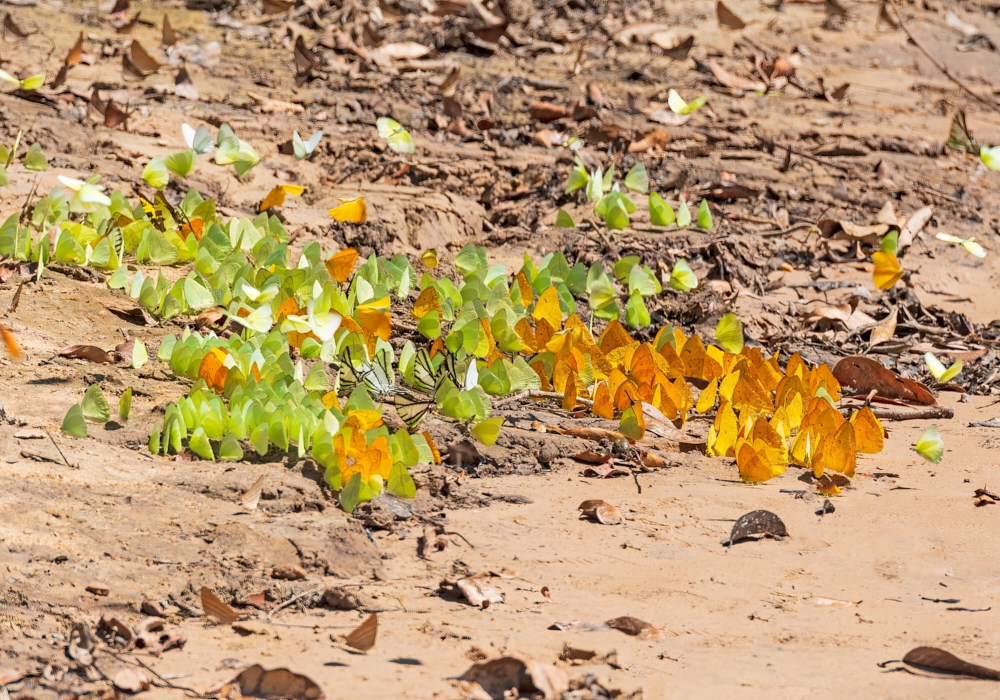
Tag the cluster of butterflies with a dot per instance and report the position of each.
(377, 377)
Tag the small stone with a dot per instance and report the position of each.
(29, 434)
(288, 572)
(152, 609)
(98, 589)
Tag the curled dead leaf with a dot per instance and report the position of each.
(601, 511)
(863, 375)
(547, 112)
(634, 627)
(492, 680)
(477, 589)
(86, 352)
(733, 81)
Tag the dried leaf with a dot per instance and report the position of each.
(640, 33)
(884, 331)
(940, 661)
(634, 627)
(547, 112)
(731, 80)
(601, 511)
(913, 226)
(86, 352)
(758, 522)
(657, 138)
(477, 589)
(492, 680)
(862, 375)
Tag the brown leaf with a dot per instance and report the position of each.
(596, 95)
(941, 661)
(727, 18)
(384, 55)
(130, 311)
(657, 138)
(757, 522)
(364, 635)
(731, 80)
(547, 112)
(601, 511)
(255, 682)
(86, 352)
(492, 680)
(276, 7)
(640, 33)
(862, 375)
(215, 608)
(884, 331)
(849, 231)
(634, 627)
(913, 226)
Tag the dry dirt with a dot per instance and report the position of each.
(739, 622)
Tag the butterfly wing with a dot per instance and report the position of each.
(411, 409)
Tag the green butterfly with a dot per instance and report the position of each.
(32, 83)
(930, 446)
(729, 334)
(682, 278)
(399, 139)
(679, 106)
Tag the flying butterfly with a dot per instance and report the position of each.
(968, 243)
(30, 83)
(930, 446)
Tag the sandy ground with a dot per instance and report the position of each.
(750, 621)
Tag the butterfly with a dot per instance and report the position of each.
(425, 375)
(304, 149)
(887, 271)
(375, 376)
(729, 334)
(412, 409)
(938, 370)
(930, 446)
(968, 243)
(959, 138)
(679, 106)
(169, 36)
(363, 637)
(215, 608)
(31, 83)
(351, 211)
(682, 278)
(198, 140)
(398, 138)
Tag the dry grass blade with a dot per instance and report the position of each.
(252, 495)
(363, 636)
(215, 608)
(141, 58)
(728, 18)
(168, 36)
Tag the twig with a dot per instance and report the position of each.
(785, 231)
(291, 600)
(896, 414)
(940, 66)
(809, 156)
(57, 447)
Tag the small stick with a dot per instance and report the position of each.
(294, 599)
(895, 414)
(940, 65)
(57, 447)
